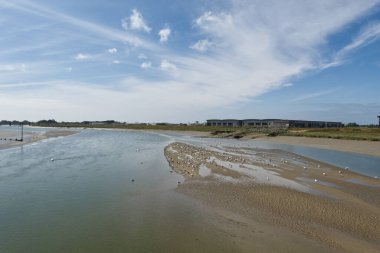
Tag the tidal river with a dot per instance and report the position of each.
(112, 191)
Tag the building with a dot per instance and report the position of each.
(273, 123)
(224, 122)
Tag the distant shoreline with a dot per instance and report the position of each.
(30, 137)
(371, 148)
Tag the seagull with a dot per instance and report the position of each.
(315, 180)
(52, 159)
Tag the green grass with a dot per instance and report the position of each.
(347, 133)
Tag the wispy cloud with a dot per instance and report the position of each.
(368, 35)
(146, 65)
(96, 29)
(201, 45)
(112, 50)
(168, 66)
(135, 22)
(257, 46)
(164, 34)
(308, 96)
(81, 57)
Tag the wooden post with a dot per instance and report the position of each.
(22, 131)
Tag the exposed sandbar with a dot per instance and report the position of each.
(329, 205)
(354, 146)
(8, 138)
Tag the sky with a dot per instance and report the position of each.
(185, 61)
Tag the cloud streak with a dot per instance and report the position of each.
(252, 48)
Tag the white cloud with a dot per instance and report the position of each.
(112, 50)
(80, 57)
(101, 31)
(368, 35)
(142, 56)
(69, 69)
(164, 34)
(308, 96)
(167, 66)
(135, 22)
(201, 45)
(146, 65)
(261, 46)
(12, 68)
(116, 62)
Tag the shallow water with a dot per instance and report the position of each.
(85, 201)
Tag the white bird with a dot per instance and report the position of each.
(315, 180)
(324, 173)
(319, 166)
(52, 159)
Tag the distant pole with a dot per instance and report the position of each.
(22, 131)
(379, 120)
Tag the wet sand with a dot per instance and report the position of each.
(354, 146)
(8, 138)
(318, 204)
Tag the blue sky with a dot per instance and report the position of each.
(183, 61)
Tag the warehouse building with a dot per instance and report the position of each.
(273, 123)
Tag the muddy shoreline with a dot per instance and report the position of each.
(332, 206)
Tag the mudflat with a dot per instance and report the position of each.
(354, 146)
(322, 207)
(9, 139)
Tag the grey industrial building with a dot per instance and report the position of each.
(273, 123)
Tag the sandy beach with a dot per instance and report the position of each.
(8, 138)
(355, 146)
(318, 204)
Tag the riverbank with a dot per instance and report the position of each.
(8, 138)
(355, 146)
(331, 206)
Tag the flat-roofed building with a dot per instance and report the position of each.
(273, 123)
(224, 122)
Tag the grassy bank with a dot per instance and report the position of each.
(347, 133)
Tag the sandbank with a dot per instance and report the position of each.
(8, 138)
(333, 207)
(355, 146)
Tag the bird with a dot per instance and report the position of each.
(315, 180)
(52, 159)
(324, 173)
(133, 180)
